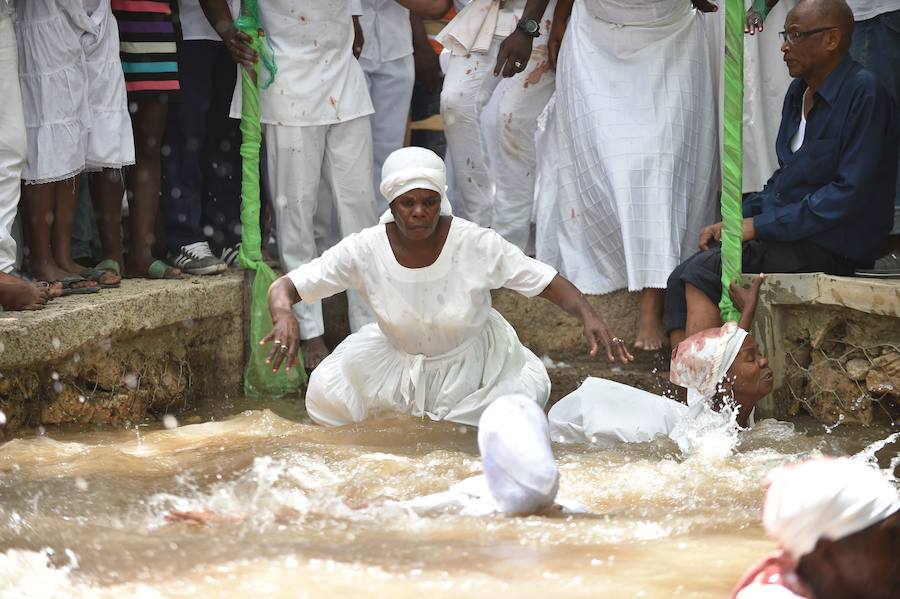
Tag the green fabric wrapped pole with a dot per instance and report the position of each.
(733, 155)
(259, 380)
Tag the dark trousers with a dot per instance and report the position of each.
(703, 270)
(201, 187)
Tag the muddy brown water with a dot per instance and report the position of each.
(82, 512)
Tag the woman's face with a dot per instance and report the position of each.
(751, 374)
(416, 213)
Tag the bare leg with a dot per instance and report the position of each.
(108, 187)
(39, 210)
(650, 330)
(143, 181)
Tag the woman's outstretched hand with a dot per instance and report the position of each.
(596, 332)
(285, 333)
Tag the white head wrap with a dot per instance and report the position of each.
(413, 168)
(518, 463)
(701, 361)
(825, 498)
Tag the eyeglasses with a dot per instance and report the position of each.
(792, 37)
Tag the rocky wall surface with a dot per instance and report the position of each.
(118, 355)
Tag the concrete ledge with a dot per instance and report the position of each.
(111, 356)
(834, 346)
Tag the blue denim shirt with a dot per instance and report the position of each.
(837, 189)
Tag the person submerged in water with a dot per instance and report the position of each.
(438, 348)
(722, 369)
(837, 523)
(519, 476)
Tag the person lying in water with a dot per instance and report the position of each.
(437, 348)
(722, 368)
(519, 476)
(837, 523)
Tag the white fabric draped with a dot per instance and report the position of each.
(628, 169)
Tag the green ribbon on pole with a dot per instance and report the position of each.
(259, 380)
(733, 155)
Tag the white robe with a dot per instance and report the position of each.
(437, 348)
(633, 136)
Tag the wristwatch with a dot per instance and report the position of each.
(529, 26)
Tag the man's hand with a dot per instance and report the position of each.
(358, 39)
(746, 298)
(704, 5)
(238, 45)
(514, 54)
(714, 233)
(557, 32)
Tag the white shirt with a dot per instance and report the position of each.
(432, 310)
(319, 82)
(194, 25)
(387, 32)
(868, 9)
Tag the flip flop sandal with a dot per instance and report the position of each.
(160, 270)
(97, 273)
(67, 283)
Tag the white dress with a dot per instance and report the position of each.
(73, 89)
(628, 162)
(437, 348)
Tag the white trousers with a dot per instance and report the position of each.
(298, 159)
(390, 87)
(13, 144)
(468, 86)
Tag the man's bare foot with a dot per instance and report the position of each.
(314, 351)
(201, 517)
(22, 295)
(650, 335)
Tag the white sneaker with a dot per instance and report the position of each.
(197, 259)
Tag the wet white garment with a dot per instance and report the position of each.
(298, 160)
(195, 26)
(606, 413)
(514, 440)
(634, 144)
(13, 148)
(437, 349)
(319, 82)
(73, 89)
(468, 87)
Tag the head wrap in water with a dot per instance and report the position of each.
(824, 498)
(518, 463)
(413, 168)
(701, 361)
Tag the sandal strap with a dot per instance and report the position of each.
(109, 265)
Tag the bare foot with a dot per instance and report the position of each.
(314, 351)
(201, 517)
(650, 335)
(22, 295)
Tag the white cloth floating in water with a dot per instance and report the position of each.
(520, 472)
(606, 412)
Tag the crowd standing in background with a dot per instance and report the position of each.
(585, 132)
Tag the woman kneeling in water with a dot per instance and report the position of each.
(437, 348)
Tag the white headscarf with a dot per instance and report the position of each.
(825, 498)
(701, 361)
(413, 168)
(518, 463)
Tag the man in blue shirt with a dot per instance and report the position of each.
(829, 206)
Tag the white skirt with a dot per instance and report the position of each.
(633, 137)
(366, 374)
(73, 90)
